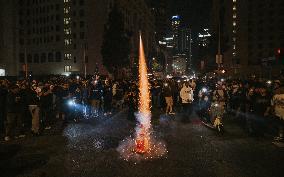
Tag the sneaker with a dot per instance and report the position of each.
(7, 138)
(47, 128)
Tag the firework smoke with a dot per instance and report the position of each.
(144, 145)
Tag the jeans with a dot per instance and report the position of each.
(2, 119)
(13, 124)
(47, 116)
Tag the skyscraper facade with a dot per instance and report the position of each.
(181, 40)
(8, 63)
(65, 36)
(252, 32)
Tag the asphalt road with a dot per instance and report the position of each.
(89, 149)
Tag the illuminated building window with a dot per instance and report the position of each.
(234, 15)
(68, 41)
(234, 31)
(66, 10)
(67, 56)
(234, 8)
(67, 68)
(234, 39)
(234, 54)
(234, 0)
(67, 31)
(66, 1)
(234, 24)
(234, 47)
(67, 21)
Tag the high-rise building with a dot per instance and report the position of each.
(203, 38)
(181, 40)
(8, 62)
(176, 24)
(252, 32)
(65, 36)
(54, 37)
(162, 23)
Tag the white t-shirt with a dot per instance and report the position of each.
(186, 94)
(278, 103)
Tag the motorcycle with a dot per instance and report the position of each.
(217, 112)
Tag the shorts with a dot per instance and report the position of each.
(169, 100)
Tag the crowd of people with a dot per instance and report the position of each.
(34, 106)
(257, 105)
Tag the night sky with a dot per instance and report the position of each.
(195, 13)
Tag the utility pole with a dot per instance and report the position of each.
(219, 56)
(26, 62)
(85, 62)
(189, 64)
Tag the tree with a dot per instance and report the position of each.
(116, 46)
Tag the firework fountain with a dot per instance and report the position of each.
(144, 145)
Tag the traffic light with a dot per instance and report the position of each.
(279, 55)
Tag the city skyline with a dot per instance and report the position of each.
(65, 37)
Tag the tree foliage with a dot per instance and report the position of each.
(116, 46)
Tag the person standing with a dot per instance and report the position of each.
(186, 94)
(167, 91)
(261, 108)
(13, 108)
(95, 95)
(3, 96)
(219, 96)
(47, 106)
(107, 96)
(34, 102)
(278, 109)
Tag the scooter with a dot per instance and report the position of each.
(217, 112)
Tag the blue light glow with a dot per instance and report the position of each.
(176, 17)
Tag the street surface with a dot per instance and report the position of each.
(88, 149)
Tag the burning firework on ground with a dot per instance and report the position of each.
(143, 145)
